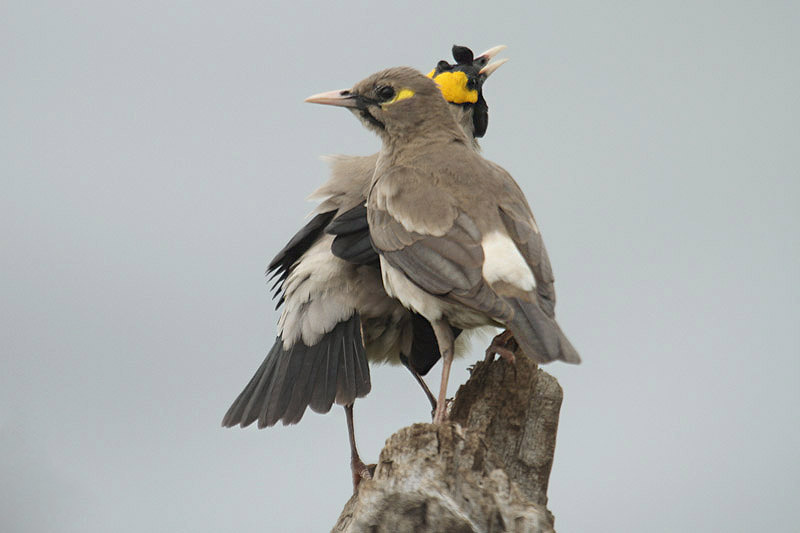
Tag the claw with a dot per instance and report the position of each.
(503, 345)
(360, 472)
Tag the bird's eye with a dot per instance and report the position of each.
(384, 93)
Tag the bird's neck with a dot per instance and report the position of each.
(394, 154)
(397, 145)
(464, 119)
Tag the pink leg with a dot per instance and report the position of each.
(359, 469)
(444, 336)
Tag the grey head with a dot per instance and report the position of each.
(399, 104)
(461, 85)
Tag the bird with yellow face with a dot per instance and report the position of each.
(456, 238)
(336, 315)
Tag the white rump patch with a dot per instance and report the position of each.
(410, 295)
(503, 262)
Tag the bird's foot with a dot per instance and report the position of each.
(360, 471)
(503, 345)
(447, 406)
(441, 416)
(506, 354)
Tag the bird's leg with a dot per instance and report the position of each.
(444, 336)
(426, 390)
(359, 469)
(502, 345)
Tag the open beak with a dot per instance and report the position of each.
(491, 67)
(487, 56)
(341, 98)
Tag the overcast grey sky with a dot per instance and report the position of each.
(154, 158)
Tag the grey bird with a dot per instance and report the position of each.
(336, 315)
(457, 240)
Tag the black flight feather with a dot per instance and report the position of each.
(424, 346)
(351, 237)
(281, 265)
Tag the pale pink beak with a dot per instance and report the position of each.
(491, 52)
(341, 98)
(487, 56)
(491, 67)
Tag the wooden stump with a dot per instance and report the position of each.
(487, 469)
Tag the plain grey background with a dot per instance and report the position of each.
(156, 155)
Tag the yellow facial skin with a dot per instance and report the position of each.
(453, 85)
(401, 95)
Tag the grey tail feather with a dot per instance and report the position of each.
(539, 335)
(288, 381)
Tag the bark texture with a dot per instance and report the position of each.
(486, 470)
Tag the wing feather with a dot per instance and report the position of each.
(525, 234)
(447, 260)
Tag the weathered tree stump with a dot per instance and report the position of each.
(485, 471)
